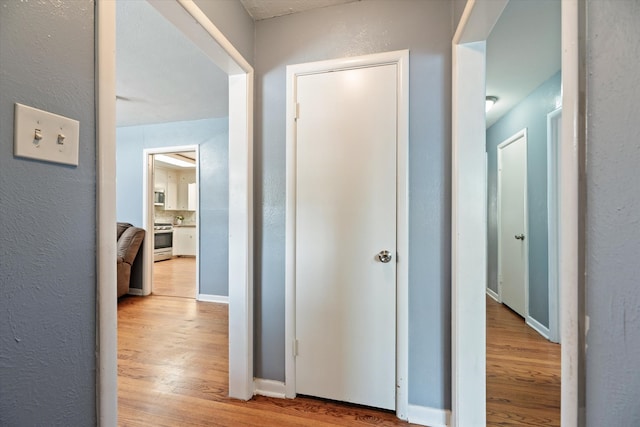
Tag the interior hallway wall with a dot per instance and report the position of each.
(424, 27)
(613, 213)
(48, 233)
(212, 135)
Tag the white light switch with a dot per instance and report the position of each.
(45, 136)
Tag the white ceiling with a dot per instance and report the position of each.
(161, 76)
(265, 9)
(523, 51)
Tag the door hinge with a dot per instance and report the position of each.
(295, 348)
(297, 111)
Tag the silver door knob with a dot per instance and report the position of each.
(519, 236)
(384, 256)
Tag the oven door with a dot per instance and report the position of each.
(162, 245)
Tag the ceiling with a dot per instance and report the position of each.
(523, 51)
(265, 9)
(163, 77)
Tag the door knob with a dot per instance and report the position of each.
(519, 236)
(384, 256)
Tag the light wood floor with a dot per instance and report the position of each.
(173, 364)
(523, 372)
(175, 277)
(172, 371)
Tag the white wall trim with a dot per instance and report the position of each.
(106, 304)
(220, 299)
(401, 58)
(571, 215)
(269, 388)
(553, 146)
(196, 25)
(426, 416)
(468, 81)
(136, 292)
(468, 236)
(538, 327)
(494, 295)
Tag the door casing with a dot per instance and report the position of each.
(553, 172)
(147, 212)
(401, 59)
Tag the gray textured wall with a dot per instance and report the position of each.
(530, 113)
(47, 238)
(212, 135)
(613, 213)
(234, 22)
(424, 27)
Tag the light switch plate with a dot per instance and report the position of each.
(45, 136)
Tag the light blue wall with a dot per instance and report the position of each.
(212, 135)
(531, 114)
(424, 27)
(613, 213)
(48, 217)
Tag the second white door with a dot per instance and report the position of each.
(512, 205)
(346, 235)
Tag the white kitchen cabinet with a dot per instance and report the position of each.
(160, 179)
(192, 197)
(171, 193)
(186, 191)
(184, 241)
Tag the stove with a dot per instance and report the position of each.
(162, 241)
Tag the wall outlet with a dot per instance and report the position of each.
(45, 136)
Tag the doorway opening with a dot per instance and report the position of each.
(523, 55)
(173, 213)
(398, 59)
(469, 206)
(197, 27)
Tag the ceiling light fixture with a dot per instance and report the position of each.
(489, 103)
(174, 161)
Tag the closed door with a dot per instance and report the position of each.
(512, 205)
(345, 221)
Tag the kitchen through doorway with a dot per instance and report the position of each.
(175, 223)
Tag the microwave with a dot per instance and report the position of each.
(158, 197)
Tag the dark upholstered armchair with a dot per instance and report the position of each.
(129, 242)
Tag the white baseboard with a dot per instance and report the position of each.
(428, 416)
(136, 291)
(221, 299)
(538, 327)
(493, 295)
(269, 388)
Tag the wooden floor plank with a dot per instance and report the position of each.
(173, 371)
(175, 277)
(523, 372)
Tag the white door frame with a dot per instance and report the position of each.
(195, 25)
(553, 170)
(401, 59)
(510, 140)
(469, 213)
(148, 217)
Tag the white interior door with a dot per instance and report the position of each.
(345, 216)
(512, 206)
